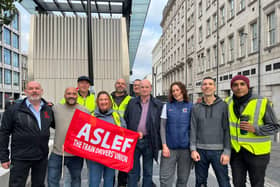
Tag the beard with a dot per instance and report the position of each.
(71, 101)
(35, 98)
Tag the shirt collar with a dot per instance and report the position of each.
(28, 104)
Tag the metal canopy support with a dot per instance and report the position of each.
(90, 59)
(97, 9)
(57, 5)
(71, 6)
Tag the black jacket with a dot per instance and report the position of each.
(28, 142)
(132, 117)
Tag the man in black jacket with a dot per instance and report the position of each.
(28, 123)
(143, 116)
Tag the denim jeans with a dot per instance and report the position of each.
(96, 171)
(74, 165)
(243, 162)
(144, 148)
(212, 157)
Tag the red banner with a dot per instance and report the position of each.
(100, 141)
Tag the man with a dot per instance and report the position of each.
(209, 137)
(143, 116)
(136, 87)
(252, 121)
(28, 123)
(85, 98)
(120, 99)
(63, 115)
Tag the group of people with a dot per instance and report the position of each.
(213, 131)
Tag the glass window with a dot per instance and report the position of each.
(7, 36)
(231, 8)
(0, 53)
(215, 56)
(15, 40)
(200, 9)
(222, 13)
(241, 43)
(271, 28)
(208, 27)
(200, 34)
(15, 78)
(15, 22)
(7, 56)
(242, 4)
(208, 59)
(231, 48)
(15, 60)
(214, 22)
(1, 81)
(8, 77)
(222, 44)
(254, 34)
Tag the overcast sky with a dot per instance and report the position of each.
(151, 34)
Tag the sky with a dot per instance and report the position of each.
(151, 34)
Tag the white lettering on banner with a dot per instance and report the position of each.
(117, 142)
(105, 140)
(97, 136)
(85, 132)
(126, 144)
(77, 143)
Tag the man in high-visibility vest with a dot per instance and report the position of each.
(252, 121)
(120, 99)
(85, 98)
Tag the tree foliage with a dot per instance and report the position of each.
(8, 11)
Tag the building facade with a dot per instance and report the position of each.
(10, 66)
(173, 43)
(24, 70)
(57, 54)
(223, 38)
(157, 69)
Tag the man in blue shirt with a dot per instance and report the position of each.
(28, 124)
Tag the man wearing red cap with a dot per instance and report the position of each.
(252, 121)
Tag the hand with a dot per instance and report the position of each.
(165, 151)
(6, 165)
(140, 135)
(244, 125)
(195, 156)
(224, 159)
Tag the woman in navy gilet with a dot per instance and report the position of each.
(175, 131)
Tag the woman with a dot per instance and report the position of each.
(105, 112)
(175, 129)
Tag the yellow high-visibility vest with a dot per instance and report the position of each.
(257, 145)
(120, 109)
(88, 102)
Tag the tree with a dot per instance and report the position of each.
(9, 11)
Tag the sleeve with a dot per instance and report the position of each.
(163, 112)
(6, 129)
(271, 126)
(163, 130)
(193, 130)
(227, 143)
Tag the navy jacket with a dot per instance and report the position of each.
(178, 125)
(132, 117)
(28, 142)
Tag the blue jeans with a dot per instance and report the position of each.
(74, 165)
(95, 173)
(212, 157)
(144, 148)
